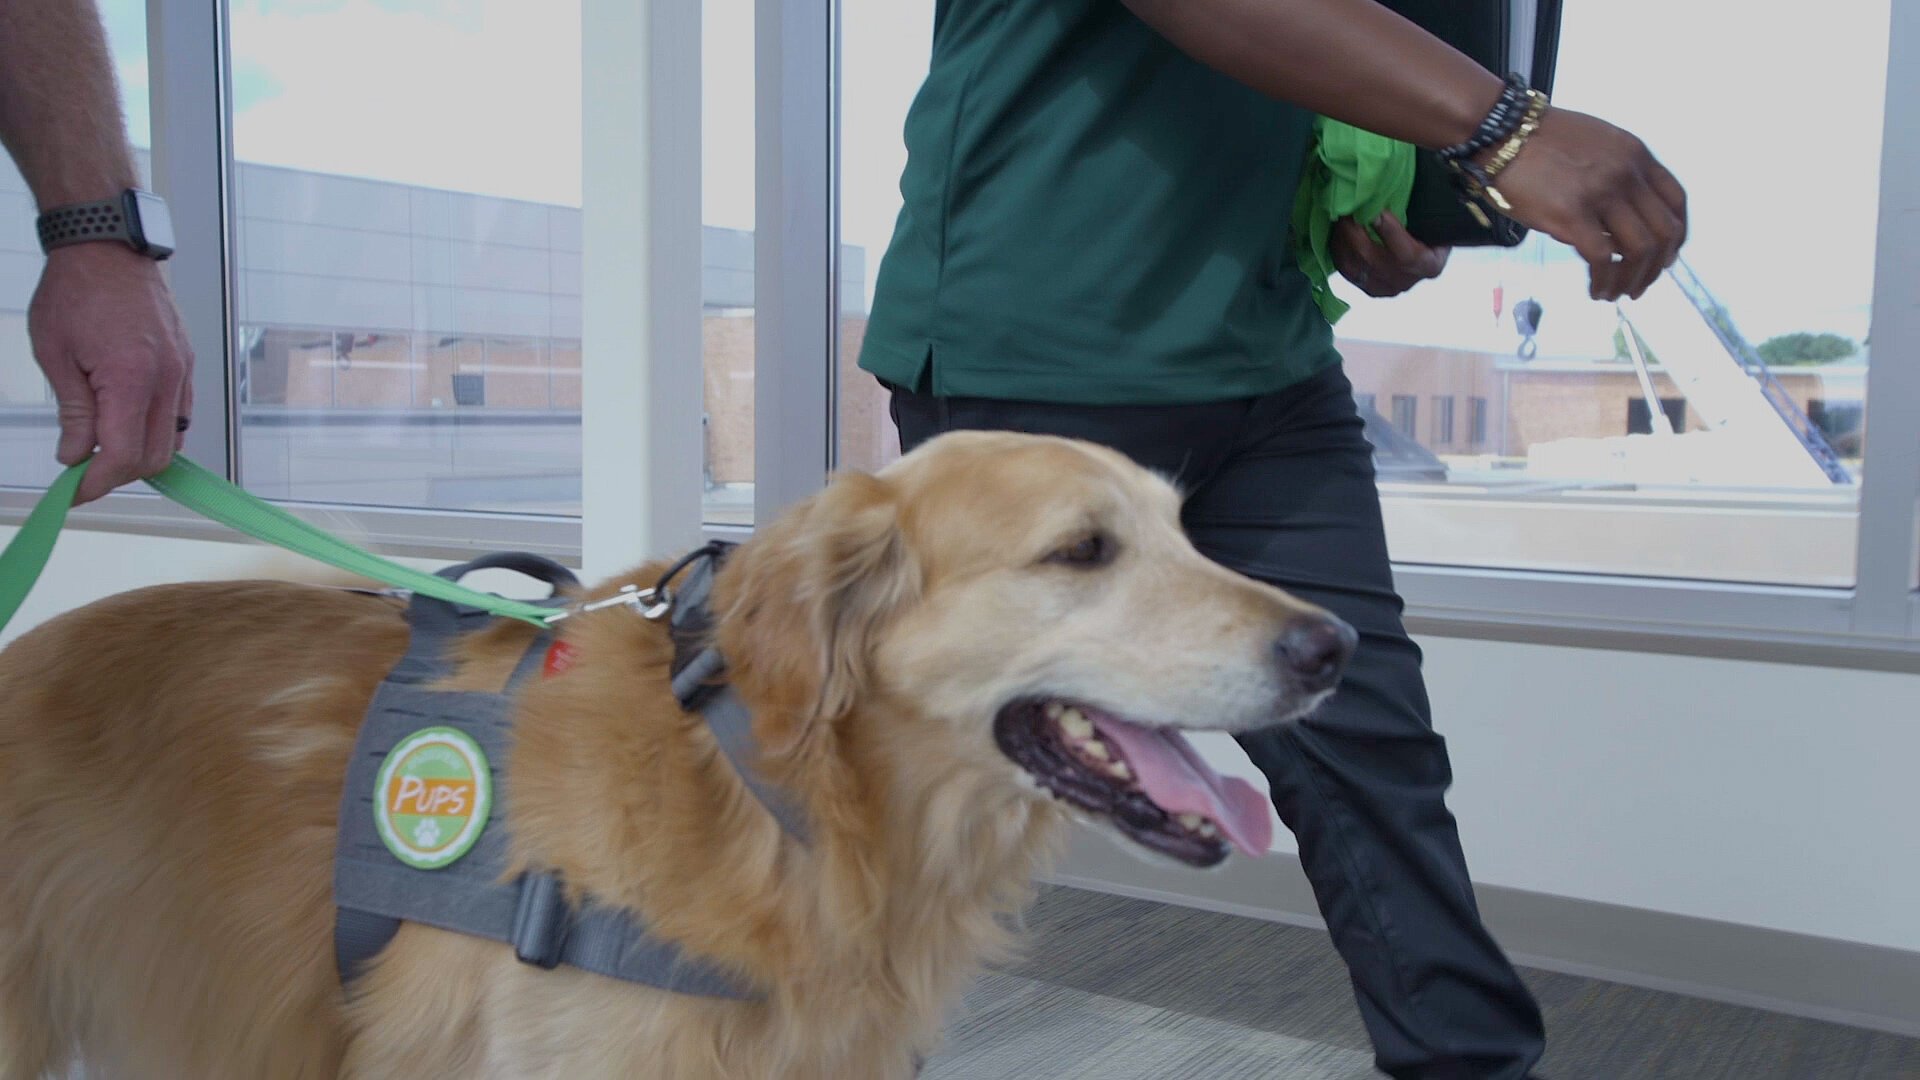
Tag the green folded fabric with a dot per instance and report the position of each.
(1350, 173)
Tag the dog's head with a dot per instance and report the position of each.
(1032, 606)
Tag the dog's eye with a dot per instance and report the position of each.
(1094, 549)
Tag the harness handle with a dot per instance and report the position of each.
(437, 622)
(538, 567)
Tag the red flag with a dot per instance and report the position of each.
(1499, 300)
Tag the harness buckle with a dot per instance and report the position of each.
(541, 920)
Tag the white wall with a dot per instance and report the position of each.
(1771, 795)
(89, 565)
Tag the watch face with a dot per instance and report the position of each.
(152, 224)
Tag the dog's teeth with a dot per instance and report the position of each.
(1054, 709)
(1096, 749)
(1119, 771)
(1192, 821)
(1075, 724)
(1209, 830)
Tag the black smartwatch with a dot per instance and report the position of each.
(138, 219)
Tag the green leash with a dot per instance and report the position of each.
(213, 497)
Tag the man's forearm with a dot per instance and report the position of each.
(1352, 60)
(59, 105)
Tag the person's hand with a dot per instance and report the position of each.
(106, 333)
(1597, 188)
(1389, 267)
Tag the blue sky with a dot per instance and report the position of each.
(1774, 125)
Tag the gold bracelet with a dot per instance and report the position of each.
(1503, 157)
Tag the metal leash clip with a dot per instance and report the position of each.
(650, 604)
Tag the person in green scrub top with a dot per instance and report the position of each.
(1094, 243)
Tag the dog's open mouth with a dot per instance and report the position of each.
(1149, 781)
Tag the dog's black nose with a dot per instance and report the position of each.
(1316, 650)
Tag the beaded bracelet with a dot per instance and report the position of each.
(1500, 123)
(1479, 178)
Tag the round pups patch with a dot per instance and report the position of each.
(432, 797)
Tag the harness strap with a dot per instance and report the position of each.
(532, 915)
(375, 894)
(364, 925)
(698, 685)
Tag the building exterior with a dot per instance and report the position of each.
(1462, 402)
(421, 347)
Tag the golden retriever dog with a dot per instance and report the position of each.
(946, 662)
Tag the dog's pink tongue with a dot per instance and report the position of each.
(1172, 774)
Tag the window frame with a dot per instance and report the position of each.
(641, 420)
(796, 249)
(189, 90)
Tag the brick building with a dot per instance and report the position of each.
(1457, 401)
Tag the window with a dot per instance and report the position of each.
(27, 423)
(1443, 421)
(1737, 342)
(1542, 432)
(407, 234)
(1406, 412)
(1843, 423)
(1640, 417)
(1547, 477)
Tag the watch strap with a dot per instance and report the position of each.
(84, 222)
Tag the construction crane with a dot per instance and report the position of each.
(1760, 433)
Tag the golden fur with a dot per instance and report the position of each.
(171, 762)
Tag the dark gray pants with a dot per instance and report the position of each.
(1281, 488)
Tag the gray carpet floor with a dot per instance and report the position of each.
(1118, 989)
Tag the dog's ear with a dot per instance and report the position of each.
(814, 591)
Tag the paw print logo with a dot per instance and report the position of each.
(427, 833)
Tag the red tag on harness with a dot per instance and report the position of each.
(560, 656)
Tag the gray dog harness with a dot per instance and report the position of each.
(421, 837)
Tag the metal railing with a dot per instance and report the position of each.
(1750, 361)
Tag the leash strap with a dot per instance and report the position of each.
(213, 497)
(27, 553)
